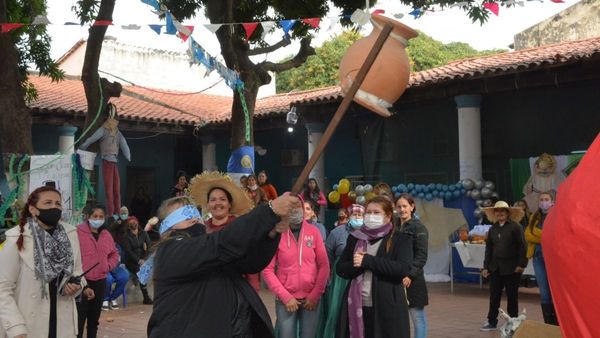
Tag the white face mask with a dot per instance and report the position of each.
(373, 221)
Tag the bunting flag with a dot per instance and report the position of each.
(492, 7)
(7, 27)
(416, 13)
(249, 27)
(287, 25)
(131, 27)
(68, 23)
(557, 1)
(185, 34)
(153, 3)
(398, 15)
(213, 27)
(41, 20)
(379, 11)
(313, 22)
(171, 29)
(156, 28)
(267, 27)
(102, 23)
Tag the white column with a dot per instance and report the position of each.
(315, 132)
(66, 139)
(209, 155)
(469, 135)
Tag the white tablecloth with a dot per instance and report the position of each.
(472, 256)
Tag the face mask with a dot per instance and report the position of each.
(253, 187)
(50, 217)
(124, 216)
(545, 205)
(296, 217)
(373, 221)
(356, 223)
(96, 223)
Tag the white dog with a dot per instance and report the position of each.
(512, 324)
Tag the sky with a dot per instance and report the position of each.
(447, 26)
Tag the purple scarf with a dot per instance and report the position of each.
(364, 236)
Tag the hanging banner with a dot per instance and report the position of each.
(53, 171)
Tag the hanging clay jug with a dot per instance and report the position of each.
(388, 77)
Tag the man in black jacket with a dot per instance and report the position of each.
(505, 259)
(198, 285)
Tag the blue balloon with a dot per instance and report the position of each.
(431, 187)
(418, 188)
(397, 194)
(335, 187)
(456, 193)
(447, 195)
(428, 197)
(394, 189)
(435, 193)
(410, 186)
(426, 189)
(438, 186)
(451, 187)
(421, 195)
(444, 188)
(402, 188)
(463, 191)
(413, 192)
(459, 186)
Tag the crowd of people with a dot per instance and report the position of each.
(217, 238)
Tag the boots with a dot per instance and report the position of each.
(147, 299)
(549, 314)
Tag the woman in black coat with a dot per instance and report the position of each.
(415, 280)
(198, 285)
(376, 259)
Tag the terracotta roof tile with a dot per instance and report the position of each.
(204, 108)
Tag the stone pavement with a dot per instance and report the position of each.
(457, 315)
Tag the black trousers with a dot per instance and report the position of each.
(368, 322)
(497, 284)
(89, 310)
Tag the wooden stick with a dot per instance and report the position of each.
(337, 118)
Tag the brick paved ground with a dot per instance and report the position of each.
(457, 315)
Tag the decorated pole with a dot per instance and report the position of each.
(341, 111)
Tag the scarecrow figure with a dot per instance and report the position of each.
(111, 140)
(544, 178)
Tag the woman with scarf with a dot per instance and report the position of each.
(298, 275)
(335, 245)
(39, 257)
(312, 192)
(414, 282)
(533, 236)
(99, 255)
(255, 193)
(199, 291)
(376, 259)
(136, 248)
(218, 195)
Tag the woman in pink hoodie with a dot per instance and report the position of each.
(97, 247)
(300, 277)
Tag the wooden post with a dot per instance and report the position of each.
(362, 73)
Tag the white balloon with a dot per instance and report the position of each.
(368, 188)
(360, 190)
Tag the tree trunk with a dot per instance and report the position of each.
(89, 73)
(15, 120)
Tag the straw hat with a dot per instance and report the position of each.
(201, 184)
(516, 214)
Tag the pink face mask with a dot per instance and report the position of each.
(545, 205)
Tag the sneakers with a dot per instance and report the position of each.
(105, 306)
(114, 305)
(487, 327)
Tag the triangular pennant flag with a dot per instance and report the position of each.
(213, 27)
(41, 20)
(378, 11)
(183, 29)
(68, 23)
(286, 25)
(153, 3)
(184, 36)
(398, 15)
(249, 27)
(131, 27)
(313, 22)
(415, 12)
(557, 1)
(492, 7)
(102, 23)
(7, 27)
(171, 29)
(267, 27)
(156, 28)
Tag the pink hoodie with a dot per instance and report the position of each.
(103, 250)
(302, 266)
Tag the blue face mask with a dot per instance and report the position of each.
(124, 216)
(96, 223)
(355, 223)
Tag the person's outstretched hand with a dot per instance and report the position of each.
(283, 205)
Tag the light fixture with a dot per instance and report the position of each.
(290, 129)
(292, 117)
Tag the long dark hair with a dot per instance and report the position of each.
(267, 182)
(408, 197)
(32, 200)
(307, 192)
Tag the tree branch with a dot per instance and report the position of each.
(303, 53)
(256, 51)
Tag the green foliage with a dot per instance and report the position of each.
(86, 10)
(424, 52)
(319, 70)
(32, 42)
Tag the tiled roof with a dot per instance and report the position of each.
(204, 108)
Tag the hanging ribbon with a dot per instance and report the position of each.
(246, 113)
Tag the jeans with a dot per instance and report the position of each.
(120, 276)
(287, 323)
(539, 266)
(112, 187)
(497, 284)
(89, 310)
(419, 320)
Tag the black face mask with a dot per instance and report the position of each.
(50, 217)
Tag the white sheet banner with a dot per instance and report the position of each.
(54, 171)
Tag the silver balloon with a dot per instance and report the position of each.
(475, 194)
(487, 203)
(360, 190)
(479, 184)
(486, 192)
(368, 188)
(495, 195)
(468, 184)
(361, 200)
(490, 185)
(478, 213)
(479, 203)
